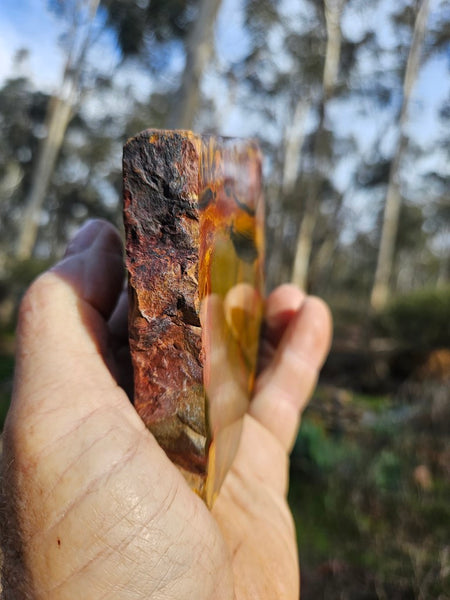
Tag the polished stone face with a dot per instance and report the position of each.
(194, 222)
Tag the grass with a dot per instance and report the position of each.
(368, 526)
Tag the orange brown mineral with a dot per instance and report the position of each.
(193, 214)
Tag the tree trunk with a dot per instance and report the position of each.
(293, 143)
(333, 13)
(322, 266)
(303, 250)
(60, 112)
(380, 289)
(293, 138)
(199, 50)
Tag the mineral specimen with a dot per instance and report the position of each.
(193, 214)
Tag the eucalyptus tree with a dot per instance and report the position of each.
(333, 10)
(282, 76)
(80, 18)
(83, 184)
(374, 94)
(199, 48)
(153, 33)
(22, 116)
(380, 289)
(295, 94)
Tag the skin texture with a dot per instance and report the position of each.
(91, 506)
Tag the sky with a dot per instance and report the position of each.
(24, 24)
(29, 24)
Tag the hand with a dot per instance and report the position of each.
(91, 506)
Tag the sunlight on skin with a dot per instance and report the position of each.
(91, 506)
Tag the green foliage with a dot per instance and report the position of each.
(23, 272)
(6, 373)
(420, 319)
(22, 114)
(375, 403)
(367, 526)
(4, 406)
(318, 452)
(142, 25)
(386, 470)
(6, 366)
(16, 277)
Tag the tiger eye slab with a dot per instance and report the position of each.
(193, 215)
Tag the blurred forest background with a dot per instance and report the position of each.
(350, 102)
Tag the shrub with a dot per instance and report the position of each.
(421, 318)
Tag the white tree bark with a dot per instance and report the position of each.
(303, 250)
(199, 51)
(333, 14)
(59, 113)
(386, 252)
(293, 144)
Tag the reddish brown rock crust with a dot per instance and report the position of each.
(194, 224)
(161, 219)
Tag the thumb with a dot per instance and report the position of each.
(62, 334)
(94, 506)
(61, 376)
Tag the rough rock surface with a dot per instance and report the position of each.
(161, 219)
(193, 214)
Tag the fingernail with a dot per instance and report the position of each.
(85, 237)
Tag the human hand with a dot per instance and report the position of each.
(91, 506)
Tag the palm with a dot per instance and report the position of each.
(94, 508)
(253, 515)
